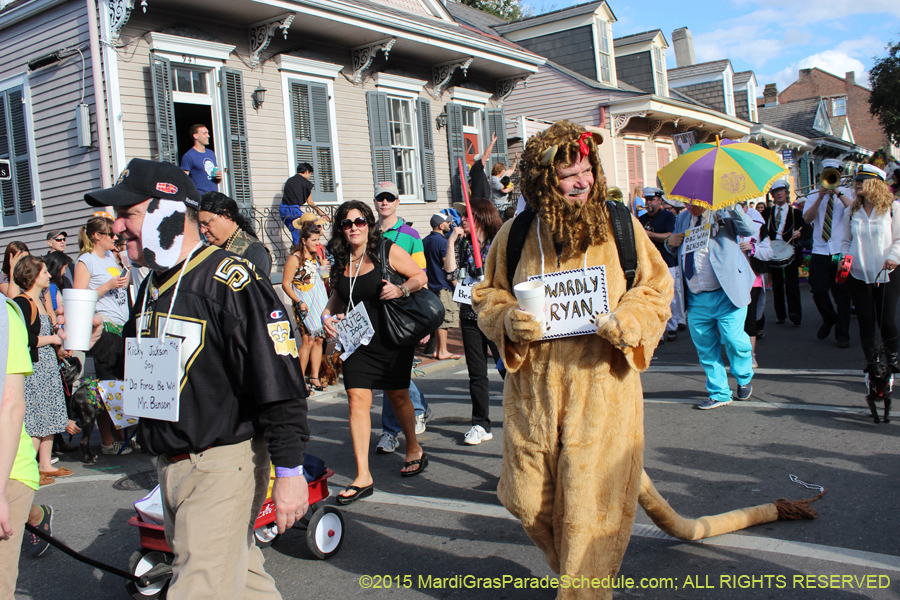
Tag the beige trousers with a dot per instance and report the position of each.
(19, 496)
(210, 504)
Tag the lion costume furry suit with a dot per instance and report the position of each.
(572, 468)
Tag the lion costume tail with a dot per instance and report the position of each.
(677, 526)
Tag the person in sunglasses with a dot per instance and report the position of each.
(387, 200)
(56, 240)
(356, 279)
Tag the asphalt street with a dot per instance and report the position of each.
(436, 535)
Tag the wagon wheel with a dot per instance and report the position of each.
(142, 561)
(266, 535)
(325, 532)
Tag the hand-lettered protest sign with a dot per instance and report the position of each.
(696, 238)
(152, 378)
(354, 330)
(463, 291)
(572, 297)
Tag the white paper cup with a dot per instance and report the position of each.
(531, 297)
(79, 305)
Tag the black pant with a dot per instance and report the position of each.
(751, 325)
(822, 270)
(876, 305)
(476, 345)
(786, 282)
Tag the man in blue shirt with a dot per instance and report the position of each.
(200, 162)
(435, 246)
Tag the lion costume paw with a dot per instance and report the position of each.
(522, 327)
(622, 331)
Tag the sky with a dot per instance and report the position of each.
(772, 38)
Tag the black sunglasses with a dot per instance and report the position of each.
(386, 198)
(358, 221)
(59, 239)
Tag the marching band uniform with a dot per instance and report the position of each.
(783, 221)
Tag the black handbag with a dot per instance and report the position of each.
(407, 320)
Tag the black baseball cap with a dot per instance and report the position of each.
(143, 179)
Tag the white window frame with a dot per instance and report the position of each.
(314, 71)
(834, 106)
(661, 84)
(604, 28)
(6, 84)
(728, 90)
(751, 101)
(415, 160)
(406, 88)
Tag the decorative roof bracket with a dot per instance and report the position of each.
(364, 55)
(506, 86)
(119, 13)
(261, 35)
(441, 74)
(620, 121)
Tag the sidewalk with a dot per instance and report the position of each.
(454, 345)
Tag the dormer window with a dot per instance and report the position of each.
(659, 72)
(604, 50)
(751, 101)
(839, 107)
(729, 93)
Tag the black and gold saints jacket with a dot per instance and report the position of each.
(239, 371)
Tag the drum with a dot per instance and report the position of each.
(782, 254)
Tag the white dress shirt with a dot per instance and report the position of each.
(832, 246)
(870, 240)
(704, 279)
(783, 212)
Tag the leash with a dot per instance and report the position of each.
(809, 486)
(143, 580)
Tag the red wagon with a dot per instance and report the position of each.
(324, 536)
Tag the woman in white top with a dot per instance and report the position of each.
(872, 238)
(97, 269)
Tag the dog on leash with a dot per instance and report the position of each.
(83, 404)
(331, 368)
(879, 382)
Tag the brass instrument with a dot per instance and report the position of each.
(830, 179)
(615, 194)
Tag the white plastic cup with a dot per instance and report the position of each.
(79, 311)
(532, 298)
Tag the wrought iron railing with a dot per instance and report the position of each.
(272, 231)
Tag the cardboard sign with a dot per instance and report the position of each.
(152, 386)
(113, 394)
(463, 291)
(696, 238)
(354, 330)
(572, 297)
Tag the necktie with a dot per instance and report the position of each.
(829, 215)
(777, 218)
(689, 258)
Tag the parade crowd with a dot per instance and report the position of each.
(173, 236)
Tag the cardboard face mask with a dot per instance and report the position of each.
(162, 233)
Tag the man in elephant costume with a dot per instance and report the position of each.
(573, 406)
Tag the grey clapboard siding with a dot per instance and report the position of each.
(551, 96)
(573, 49)
(65, 172)
(636, 69)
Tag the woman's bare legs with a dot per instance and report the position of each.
(360, 401)
(406, 416)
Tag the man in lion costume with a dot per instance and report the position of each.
(573, 407)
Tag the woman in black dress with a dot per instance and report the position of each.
(356, 279)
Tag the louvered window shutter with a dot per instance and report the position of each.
(457, 147)
(662, 157)
(238, 153)
(426, 144)
(495, 122)
(380, 136)
(166, 140)
(311, 130)
(17, 193)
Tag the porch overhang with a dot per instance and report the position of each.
(661, 111)
(779, 139)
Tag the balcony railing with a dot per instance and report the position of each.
(272, 231)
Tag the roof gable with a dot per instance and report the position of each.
(638, 38)
(707, 68)
(601, 8)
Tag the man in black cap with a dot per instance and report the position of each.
(242, 396)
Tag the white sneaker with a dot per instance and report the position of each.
(477, 434)
(387, 444)
(54, 460)
(755, 365)
(421, 419)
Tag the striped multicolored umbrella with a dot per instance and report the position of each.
(721, 174)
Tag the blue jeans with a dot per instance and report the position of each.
(715, 322)
(288, 213)
(389, 422)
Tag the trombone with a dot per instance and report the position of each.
(830, 179)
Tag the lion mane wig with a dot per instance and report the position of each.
(575, 226)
